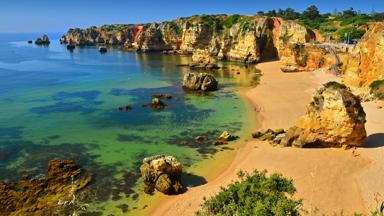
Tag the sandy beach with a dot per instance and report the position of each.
(328, 180)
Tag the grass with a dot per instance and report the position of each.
(335, 85)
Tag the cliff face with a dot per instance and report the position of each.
(366, 64)
(244, 38)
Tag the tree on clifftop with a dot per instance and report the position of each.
(312, 12)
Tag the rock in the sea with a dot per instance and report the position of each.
(157, 104)
(125, 108)
(334, 118)
(162, 173)
(71, 47)
(199, 82)
(162, 96)
(225, 136)
(102, 49)
(30, 41)
(44, 195)
(44, 40)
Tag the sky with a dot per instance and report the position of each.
(59, 16)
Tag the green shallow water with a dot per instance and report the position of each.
(57, 104)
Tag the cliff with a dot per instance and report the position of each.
(366, 64)
(233, 37)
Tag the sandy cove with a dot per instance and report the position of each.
(328, 180)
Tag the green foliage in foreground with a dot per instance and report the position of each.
(255, 194)
(377, 89)
(335, 85)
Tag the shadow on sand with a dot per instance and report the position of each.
(374, 141)
(191, 180)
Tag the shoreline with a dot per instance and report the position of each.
(279, 100)
(220, 162)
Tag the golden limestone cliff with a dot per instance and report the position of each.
(366, 63)
(242, 38)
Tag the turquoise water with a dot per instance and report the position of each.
(60, 104)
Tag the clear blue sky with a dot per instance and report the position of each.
(58, 16)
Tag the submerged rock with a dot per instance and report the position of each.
(334, 118)
(48, 195)
(125, 108)
(30, 41)
(162, 173)
(199, 82)
(44, 40)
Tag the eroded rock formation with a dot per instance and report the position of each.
(366, 63)
(242, 38)
(162, 173)
(49, 195)
(334, 118)
(199, 82)
(44, 40)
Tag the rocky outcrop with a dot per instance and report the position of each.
(162, 173)
(44, 40)
(202, 59)
(366, 63)
(242, 38)
(52, 194)
(334, 118)
(199, 82)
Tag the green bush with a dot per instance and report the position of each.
(335, 85)
(377, 89)
(255, 194)
(232, 20)
(353, 33)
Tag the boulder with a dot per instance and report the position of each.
(273, 136)
(334, 118)
(162, 96)
(71, 47)
(157, 104)
(30, 41)
(199, 82)
(162, 173)
(225, 136)
(44, 40)
(102, 49)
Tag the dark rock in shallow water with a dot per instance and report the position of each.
(70, 47)
(44, 40)
(102, 49)
(162, 96)
(125, 108)
(199, 82)
(30, 41)
(162, 173)
(157, 104)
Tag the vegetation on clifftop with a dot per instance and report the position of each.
(254, 194)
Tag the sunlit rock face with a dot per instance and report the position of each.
(249, 39)
(366, 63)
(334, 118)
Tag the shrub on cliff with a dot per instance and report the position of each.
(254, 194)
(377, 89)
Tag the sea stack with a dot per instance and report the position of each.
(199, 82)
(334, 118)
(44, 40)
(162, 173)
